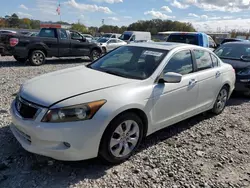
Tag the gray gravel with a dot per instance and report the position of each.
(203, 151)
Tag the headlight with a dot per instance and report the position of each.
(73, 113)
(244, 72)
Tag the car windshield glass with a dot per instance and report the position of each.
(107, 35)
(182, 38)
(125, 37)
(233, 51)
(103, 40)
(130, 62)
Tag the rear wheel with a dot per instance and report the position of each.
(221, 101)
(121, 138)
(37, 57)
(21, 60)
(95, 54)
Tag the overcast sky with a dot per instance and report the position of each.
(211, 15)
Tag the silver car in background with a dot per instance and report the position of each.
(108, 44)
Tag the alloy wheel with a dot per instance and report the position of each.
(125, 138)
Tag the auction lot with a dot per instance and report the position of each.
(204, 151)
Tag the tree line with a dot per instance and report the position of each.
(154, 26)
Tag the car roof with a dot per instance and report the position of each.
(161, 45)
(245, 42)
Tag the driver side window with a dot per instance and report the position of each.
(181, 63)
(75, 36)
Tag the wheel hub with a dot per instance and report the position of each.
(124, 138)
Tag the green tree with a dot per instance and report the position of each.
(34, 24)
(79, 27)
(13, 21)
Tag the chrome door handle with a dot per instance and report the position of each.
(217, 73)
(193, 82)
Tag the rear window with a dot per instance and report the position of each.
(50, 33)
(182, 38)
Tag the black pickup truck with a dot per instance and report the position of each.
(50, 42)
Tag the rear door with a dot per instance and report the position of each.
(209, 77)
(64, 43)
(49, 37)
(79, 45)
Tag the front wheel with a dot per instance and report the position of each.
(37, 57)
(121, 138)
(95, 54)
(21, 60)
(221, 101)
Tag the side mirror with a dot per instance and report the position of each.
(84, 39)
(172, 77)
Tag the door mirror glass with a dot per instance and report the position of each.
(84, 39)
(172, 77)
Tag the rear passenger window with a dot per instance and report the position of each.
(50, 33)
(63, 34)
(180, 63)
(214, 60)
(203, 60)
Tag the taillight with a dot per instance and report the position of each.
(13, 42)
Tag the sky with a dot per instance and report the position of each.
(205, 15)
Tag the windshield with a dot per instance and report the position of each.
(107, 35)
(125, 37)
(102, 40)
(130, 62)
(233, 51)
(182, 38)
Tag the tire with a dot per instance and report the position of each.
(21, 60)
(95, 54)
(37, 57)
(115, 152)
(221, 101)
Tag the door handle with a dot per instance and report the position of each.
(217, 74)
(192, 82)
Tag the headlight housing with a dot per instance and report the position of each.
(73, 113)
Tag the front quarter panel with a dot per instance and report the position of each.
(136, 95)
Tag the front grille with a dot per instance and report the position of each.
(25, 109)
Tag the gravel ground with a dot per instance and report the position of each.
(203, 151)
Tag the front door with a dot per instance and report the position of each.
(174, 101)
(79, 46)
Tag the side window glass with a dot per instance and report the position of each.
(180, 63)
(112, 41)
(203, 60)
(50, 33)
(214, 60)
(63, 34)
(75, 36)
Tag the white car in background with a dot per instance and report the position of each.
(88, 37)
(108, 44)
(107, 107)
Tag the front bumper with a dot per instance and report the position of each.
(242, 86)
(49, 139)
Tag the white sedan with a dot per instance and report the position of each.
(106, 108)
(108, 44)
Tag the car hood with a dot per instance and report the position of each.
(236, 64)
(51, 88)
